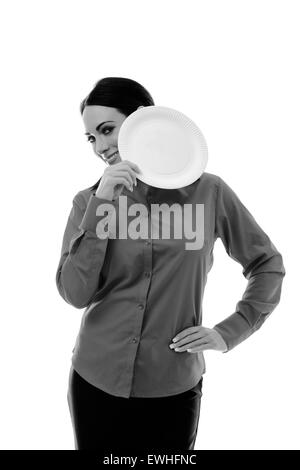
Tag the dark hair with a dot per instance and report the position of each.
(124, 94)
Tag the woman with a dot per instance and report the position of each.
(131, 384)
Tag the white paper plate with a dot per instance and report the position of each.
(168, 147)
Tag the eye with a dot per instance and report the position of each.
(109, 129)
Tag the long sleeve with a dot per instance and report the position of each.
(82, 254)
(246, 243)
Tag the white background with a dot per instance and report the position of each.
(232, 67)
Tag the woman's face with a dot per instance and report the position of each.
(102, 125)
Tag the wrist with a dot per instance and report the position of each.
(104, 195)
(221, 342)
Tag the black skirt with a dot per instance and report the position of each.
(104, 422)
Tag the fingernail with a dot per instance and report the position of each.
(175, 339)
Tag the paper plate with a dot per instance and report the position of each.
(168, 147)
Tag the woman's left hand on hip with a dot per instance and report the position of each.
(198, 338)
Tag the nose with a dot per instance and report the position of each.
(101, 147)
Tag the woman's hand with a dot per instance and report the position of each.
(198, 338)
(115, 177)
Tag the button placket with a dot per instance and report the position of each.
(147, 273)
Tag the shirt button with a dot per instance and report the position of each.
(141, 306)
(134, 340)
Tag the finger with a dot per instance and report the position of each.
(130, 166)
(124, 181)
(133, 175)
(133, 165)
(118, 191)
(123, 174)
(202, 347)
(126, 171)
(132, 171)
(198, 345)
(187, 331)
(196, 335)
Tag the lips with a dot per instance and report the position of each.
(112, 156)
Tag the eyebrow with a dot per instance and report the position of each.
(98, 127)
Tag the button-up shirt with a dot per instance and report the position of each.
(139, 292)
